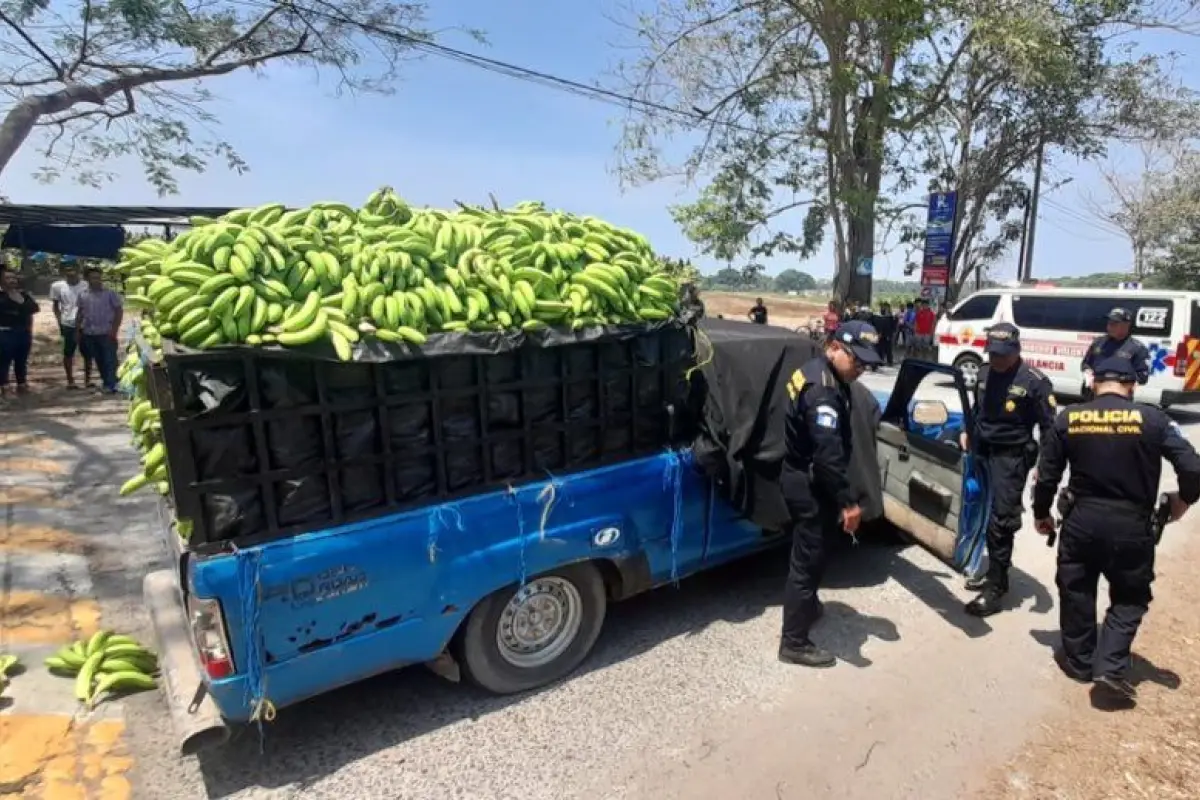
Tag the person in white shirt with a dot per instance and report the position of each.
(64, 295)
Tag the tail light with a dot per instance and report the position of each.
(212, 643)
(1181, 357)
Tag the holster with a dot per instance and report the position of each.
(1065, 504)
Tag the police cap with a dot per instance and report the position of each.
(1003, 339)
(1115, 368)
(860, 338)
(1120, 315)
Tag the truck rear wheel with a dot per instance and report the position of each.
(523, 637)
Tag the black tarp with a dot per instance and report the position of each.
(270, 441)
(83, 241)
(744, 372)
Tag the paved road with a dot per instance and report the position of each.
(682, 698)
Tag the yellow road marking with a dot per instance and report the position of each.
(46, 757)
(33, 618)
(39, 539)
(45, 466)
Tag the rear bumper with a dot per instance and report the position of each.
(195, 718)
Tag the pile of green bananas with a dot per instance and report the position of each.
(392, 272)
(106, 663)
(6, 664)
(146, 426)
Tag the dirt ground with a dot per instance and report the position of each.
(784, 311)
(1150, 751)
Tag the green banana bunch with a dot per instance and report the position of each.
(7, 662)
(105, 663)
(390, 272)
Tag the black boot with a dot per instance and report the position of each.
(806, 655)
(1117, 688)
(1072, 671)
(988, 602)
(977, 583)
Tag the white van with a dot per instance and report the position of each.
(1057, 325)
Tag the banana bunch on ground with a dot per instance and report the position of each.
(7, 663)
(106, 663)
(391, 272)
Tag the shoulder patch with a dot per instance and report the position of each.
(1052, 400)
(827, 417)
(795, 384)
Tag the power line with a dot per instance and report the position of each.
(506, 68)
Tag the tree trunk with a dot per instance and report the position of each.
(14, 130)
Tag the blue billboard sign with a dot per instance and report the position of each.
(939, 239)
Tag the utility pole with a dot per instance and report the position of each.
(1031, 213)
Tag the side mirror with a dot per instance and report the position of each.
(930, 412)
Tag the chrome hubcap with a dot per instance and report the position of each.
(540, 622)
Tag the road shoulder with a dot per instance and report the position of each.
(1152, 750)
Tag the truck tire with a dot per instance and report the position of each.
(523, 637)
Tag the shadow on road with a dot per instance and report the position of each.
(1141, 669)
(330, 732)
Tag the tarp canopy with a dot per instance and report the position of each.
(745, 401)
(82, 241)
(14, 214)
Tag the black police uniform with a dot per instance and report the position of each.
(1115, 448)
(1105, 346)
(1008, 406)
(816, 484)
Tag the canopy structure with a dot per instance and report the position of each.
(105, 215)
(88, 231)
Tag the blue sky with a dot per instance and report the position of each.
(452, 131)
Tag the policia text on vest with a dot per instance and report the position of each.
(1115, 448)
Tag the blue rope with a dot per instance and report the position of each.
(446, 517)
(673, 482)
(514, 497)
(249, 572)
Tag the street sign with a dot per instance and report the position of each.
(939, 239)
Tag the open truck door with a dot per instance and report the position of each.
(932, 490)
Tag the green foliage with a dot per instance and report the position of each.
(793, 280)
(822, 117)
(92, 81)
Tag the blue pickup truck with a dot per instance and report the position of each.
(508, 586)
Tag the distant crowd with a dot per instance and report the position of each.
(910, 327)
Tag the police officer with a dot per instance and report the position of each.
(1115, 448)
(816, 481)
(1116, 342)
(1011, 399)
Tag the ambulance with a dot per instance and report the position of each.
(1057, 325)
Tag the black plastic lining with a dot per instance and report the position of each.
(264, 443)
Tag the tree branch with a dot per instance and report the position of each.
(83, 41)
(54, 65)
(99, 93)
(246, 36)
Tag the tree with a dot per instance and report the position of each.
(1149, 205)
(816, 114)
(729, 278)
(95, 80)
(793, 280)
